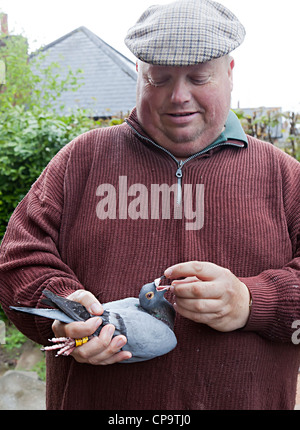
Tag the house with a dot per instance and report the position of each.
(108, 78)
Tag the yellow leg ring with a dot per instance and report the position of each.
(79, 342)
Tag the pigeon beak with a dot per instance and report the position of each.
(158, 281)
(161, 287)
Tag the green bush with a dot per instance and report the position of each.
(28, 141)
(14, 338)
(3, 317)
(32, 129)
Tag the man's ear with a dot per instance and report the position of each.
(230, 71)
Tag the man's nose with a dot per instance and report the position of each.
(180, 92)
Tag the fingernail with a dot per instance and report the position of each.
(110, 330)
(120, 343)
(97, 321)
(168, 272)
(96, 308)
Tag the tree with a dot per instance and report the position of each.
(29, 83)
(261, 123)
(31, 132)
(293, 120)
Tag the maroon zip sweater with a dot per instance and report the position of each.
(56, 239)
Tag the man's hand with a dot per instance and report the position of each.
(210, 294)
(100, 350)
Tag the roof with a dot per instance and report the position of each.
(109, 78)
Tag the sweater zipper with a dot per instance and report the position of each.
(180, 163)
(179, 182)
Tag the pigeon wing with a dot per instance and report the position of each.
(54, 314)
(147, 337)
(74, 310)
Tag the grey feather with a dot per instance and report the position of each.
(54, 314)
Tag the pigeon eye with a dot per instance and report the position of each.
(150, 295)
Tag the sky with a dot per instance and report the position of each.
(267, 64)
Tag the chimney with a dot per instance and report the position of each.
(4, 25)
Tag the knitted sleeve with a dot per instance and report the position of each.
(275, 293)
(30, 256)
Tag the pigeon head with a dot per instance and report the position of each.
(152, 300)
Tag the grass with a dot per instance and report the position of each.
(14, 339)
(15, 342)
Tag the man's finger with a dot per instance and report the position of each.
(81, 329)
(203, 270)
(104, 349)
(88, 300)
(207, 306)
(197, 289)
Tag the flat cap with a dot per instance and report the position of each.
(184, 33)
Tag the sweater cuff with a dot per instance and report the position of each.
(264, 304)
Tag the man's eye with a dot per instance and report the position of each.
(200, 81)
(157, 82)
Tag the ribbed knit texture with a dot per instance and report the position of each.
(251, 226)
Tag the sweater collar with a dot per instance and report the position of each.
(233, 135)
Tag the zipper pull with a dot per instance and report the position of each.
(179, 180)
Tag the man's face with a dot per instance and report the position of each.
(184, 109)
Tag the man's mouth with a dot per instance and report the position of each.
(181, 118)
(182, 114)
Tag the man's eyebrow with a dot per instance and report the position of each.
(157, 75)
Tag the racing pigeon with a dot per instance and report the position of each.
(147, 321)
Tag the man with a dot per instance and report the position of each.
(229, 242)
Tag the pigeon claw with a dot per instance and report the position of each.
(65, 345)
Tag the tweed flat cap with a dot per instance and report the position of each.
(184, 33)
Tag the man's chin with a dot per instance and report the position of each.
(185, 146)
(184, 149)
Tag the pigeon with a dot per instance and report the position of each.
(147, 321)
